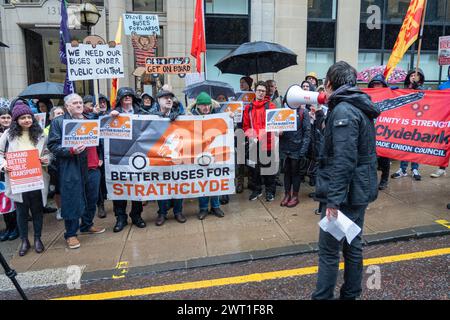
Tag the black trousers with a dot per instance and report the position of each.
(385, 165)
(120, 207)
(292, 175)
(259, 179)
(32, 201)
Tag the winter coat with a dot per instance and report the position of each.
(377, 78)
(277, 100)
(294, 144)
(446, 85)
(215, 108)
(174, 113)
(347, 172)
(12, 147)
(257, 122)
(72, 172)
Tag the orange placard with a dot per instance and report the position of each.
(26, 174)
(246, 97)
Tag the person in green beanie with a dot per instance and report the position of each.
(204, 106)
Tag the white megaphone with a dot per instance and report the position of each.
(296, 96)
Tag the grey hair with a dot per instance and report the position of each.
(70, 97)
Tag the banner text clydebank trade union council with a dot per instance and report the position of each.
(414, 125)
(187, 158)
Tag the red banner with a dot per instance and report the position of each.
(413, 126)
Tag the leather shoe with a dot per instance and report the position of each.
(101, 213)
(25, 246)
(120, 224)
(38, 245)
(202, 214)
(180, 218)
(160, 220)
(5, 235)
(218, 212)
(139, 222)
(13, 235)
(48, 209)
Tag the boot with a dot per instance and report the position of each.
(6, 233)
(14, 234)
(286, 199)
(24, 247)
(14, 229)
(294, 200)
(38, 245)
(101, 213)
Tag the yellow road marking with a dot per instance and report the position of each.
(445, 223)
(122, 267)
(256, 277)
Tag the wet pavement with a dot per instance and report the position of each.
(247, 227)
(416, 279)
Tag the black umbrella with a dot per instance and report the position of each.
(3, 45)
(257, 57)
(213, 88)
(42, 90)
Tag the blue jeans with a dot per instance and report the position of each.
(404, 165)
(329, 259)
(72, 227)
(92, 192)
(203, 202)
(164, 206)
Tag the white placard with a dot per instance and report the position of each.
(141, 24)
(85, 62)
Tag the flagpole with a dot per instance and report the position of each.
(204, 30)
(420, 38)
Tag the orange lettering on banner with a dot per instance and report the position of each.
(215, 186)
(225, 185)
(129, 186)
(194, 190)
(172, 190)
(203, 186)
(140, 189)
(161, 188)
(118, 191)
(183, 189)
(151, 190)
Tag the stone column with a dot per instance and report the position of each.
(178, 37)
(291, 32)
(116, 9)
(347, 31)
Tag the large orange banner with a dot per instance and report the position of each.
(413, 125)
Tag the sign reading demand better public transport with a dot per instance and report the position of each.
(84, 62)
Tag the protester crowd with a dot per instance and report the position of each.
(75, 177)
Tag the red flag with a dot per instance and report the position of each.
(408, 34)
(198, 36)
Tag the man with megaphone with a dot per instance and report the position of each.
(346, 177)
